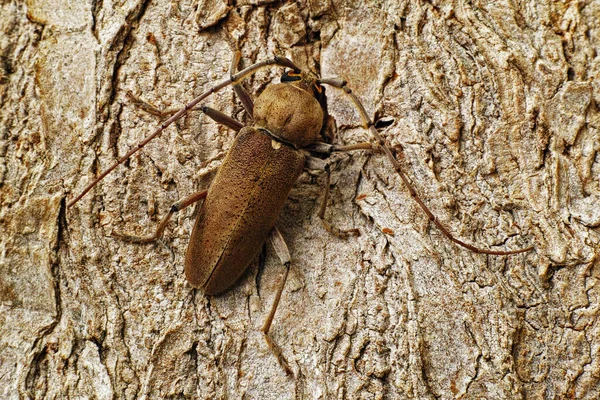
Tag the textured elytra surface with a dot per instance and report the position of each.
(495, 105)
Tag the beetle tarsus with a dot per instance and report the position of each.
(132, 238)
(278, 354)
(176, 207)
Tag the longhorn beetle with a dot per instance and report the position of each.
(246, 196)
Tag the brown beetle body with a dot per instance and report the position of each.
(252, 184)
(248, 193)
(241, 207)
(250, 189)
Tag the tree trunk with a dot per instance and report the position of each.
(492, 108)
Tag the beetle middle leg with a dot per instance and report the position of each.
(176, 207)
(319, 164)
(218, 117)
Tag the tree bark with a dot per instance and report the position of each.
(492, 107)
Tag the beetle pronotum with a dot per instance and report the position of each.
(245, 198)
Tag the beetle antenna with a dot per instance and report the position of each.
(368, 124)
(233, 79)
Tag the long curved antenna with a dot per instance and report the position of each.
(368, 124)
(233, 79)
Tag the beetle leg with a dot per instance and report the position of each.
(176, 207)
(315, 163)
(284, 256)
(213, 114)
(368, 124)
(239, 89)
(326, 148)
(262, 257)
(341, 233)
(222, 118)
(150, 108)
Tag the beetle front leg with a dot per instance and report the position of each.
(284, 256)
(215, 115)
(176, 207)
(221, 118)
(233, 79)
(239, 89)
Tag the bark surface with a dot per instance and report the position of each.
(495, 107)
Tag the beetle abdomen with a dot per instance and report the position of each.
(242, 205)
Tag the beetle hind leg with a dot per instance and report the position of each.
(176, 207)
(284, 256)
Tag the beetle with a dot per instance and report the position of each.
(248, 193)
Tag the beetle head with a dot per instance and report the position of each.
(293, 110)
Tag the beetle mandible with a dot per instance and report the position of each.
(248, 193)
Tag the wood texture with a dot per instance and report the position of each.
(495, 104)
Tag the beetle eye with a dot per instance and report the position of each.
(290, 76)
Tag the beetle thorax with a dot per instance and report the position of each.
(289, 113)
